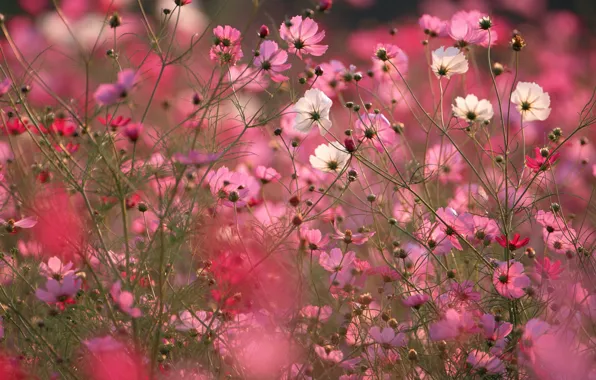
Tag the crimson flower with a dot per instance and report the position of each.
(541, 163)
(514, 243)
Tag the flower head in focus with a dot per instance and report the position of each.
(531, 101)
(313, 109)
(302, 36)
(330, 158)
(449, 61)
(472, 110)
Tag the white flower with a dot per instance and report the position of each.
(472, 109)
(330, 157)
(312, 109)
(532, 102)
(447, 62)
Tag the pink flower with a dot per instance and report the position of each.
(313, 238)
(55, 269)
(453, 325)
(267, 175)
(493, 330)
(200, 322)
(388, 59)
(387, 337)
(108, 94)
(547, 269)
(481, 229)
(5, 86)
(550, 222)
(272, 60)
(302, 37)
(333, 79)
(349, 237)
(512, 244)
(226, 49)
(124, 300)
(509, 279)
(335, 260)
(534, 331)
(376, 129)
(484, 363)
(444, 161)
(232, 188)
(561, 241)
(316, 313)
(12, 226)
(60, 292)
(416, 300)
(196, 158)
(541, 162)
(433, 26)
(464, 28)
(328, 354)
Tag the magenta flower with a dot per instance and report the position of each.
(60, 292)
(108, 94)
(512, 244)
(509, 279)
(133, 131)
(114, 122)
(226, 49)
(541, 163)
(124, 300)
(548, 269)
(272, 60)
(302, 36)
(313, 238)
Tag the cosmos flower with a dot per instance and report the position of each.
(447, 62)
(531, 101)
(302, 36)
(108, 94)
(272, 60)
(313, 109)
(330, 158)
(472, 110)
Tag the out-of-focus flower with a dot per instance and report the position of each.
(447, 62)
(266, 174)
(330, 158)
(485, 363)
(377, 129)
(388, 59)
(387, 337)
(472, 109)
(328, 354)
(108, 94)
(12, 225)
(313, 109)
(60, 292)
(133, 131)
(124, 300)
(465, 29)
(196, 158)
(433, 26)
(55, 269)
(335, 260)
(302, 36)
(5, 86)
(509, 279)
(531, 101)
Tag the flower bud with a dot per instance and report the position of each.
(115, 20)
(263, 31)
(350, 145)
(498, 69)
(324, 5)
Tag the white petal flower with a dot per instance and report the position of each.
(447, 62)
(330, 158)
(531, 100)
(472, 109)
(313, 109)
